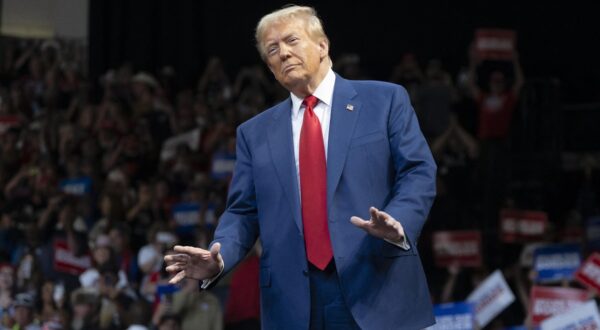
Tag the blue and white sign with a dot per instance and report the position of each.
(76, 186)
(453, 316)
(222, 165)
(556, 262)
(584, 317)
(210, 217)
(187, 216)
(166, 289)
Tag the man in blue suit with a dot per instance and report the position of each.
(337, 180)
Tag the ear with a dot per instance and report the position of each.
(323, 48)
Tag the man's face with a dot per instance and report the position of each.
(295, 58)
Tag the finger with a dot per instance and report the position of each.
(176, 267)
(358, 222)
(376, 216)
(384, 216)
(177, 278)
(189, 250)
(172, 258)
(373, 211)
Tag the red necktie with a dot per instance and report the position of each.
(313, 186)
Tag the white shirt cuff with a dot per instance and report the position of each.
(403, 244)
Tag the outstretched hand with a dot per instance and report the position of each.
(381, 225)
(195, 263)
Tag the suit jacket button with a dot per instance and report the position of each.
(305, 272)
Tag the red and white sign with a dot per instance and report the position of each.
(589, 272)
(549, 301)
(522, 225)
(495, 44)
(584, 317)
(490, 298)
(66, 262)
(462, 248)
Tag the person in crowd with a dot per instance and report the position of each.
(168, 322)
(7, 290)
(24, 317)
(434, 99)
(197, 309)
(408, 73)
(86, 308)
(496, 105)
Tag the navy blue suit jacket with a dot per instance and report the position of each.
(378, 157)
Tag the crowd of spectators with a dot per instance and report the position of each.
(96, 191)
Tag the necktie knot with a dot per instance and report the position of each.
(310, 101)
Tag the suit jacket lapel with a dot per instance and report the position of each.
(281, 146)
(344, 112)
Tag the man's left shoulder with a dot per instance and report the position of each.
(376, 86)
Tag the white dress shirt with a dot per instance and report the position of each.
(322, 110)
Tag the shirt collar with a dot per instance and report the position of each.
(324, 93)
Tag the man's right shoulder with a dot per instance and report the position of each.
(260, 120)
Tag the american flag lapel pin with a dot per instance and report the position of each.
(349, 107)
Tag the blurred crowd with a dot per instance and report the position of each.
(95, 190)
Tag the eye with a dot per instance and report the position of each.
(271, 50)
(293, 40)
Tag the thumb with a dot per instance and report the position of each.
(358, 222)
(215, 250)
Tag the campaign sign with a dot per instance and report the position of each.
(462, 248)
(549, 301)
(495, 44)
(453, 316)
(490, 298)
(522, 225)
(210, 217)
(222, 165)
(163, 290)
(65, 261)
(186, 216)
(169, 147)
(593, 233)
(584, 317)
(589, 272)
(556, 262)
(77, 186)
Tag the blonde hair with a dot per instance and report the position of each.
(308, 15)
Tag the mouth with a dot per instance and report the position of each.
(288, 68)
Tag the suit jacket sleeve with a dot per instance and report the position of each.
(415, 170)
(238, 225)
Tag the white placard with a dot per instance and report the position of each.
(490, 298)
(584, 317)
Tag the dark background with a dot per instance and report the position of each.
(554, 40)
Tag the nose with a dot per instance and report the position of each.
(284, 51)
